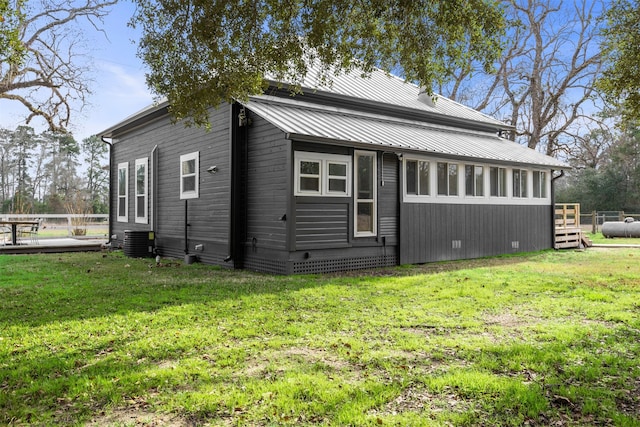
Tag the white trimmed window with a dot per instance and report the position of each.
(318, 174)
(498, 182)
(123, 192)
(474, 180)
(366, 195)
(539, 185)
(417, 179)
(520, 183)
(142, 187)
(447, 179)
(189, 175)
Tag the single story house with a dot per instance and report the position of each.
(367, 172)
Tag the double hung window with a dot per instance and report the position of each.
(123, 192)
(141, 190)
(189, 175)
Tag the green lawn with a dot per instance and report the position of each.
(600, 239)
(550, 338)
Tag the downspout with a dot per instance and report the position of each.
(553, 207)
(186, 227)
(110, 144)
(154, 189)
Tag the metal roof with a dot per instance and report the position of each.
(311, 121)
(383, 88)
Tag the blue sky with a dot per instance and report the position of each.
(118, 87)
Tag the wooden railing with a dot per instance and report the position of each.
(568, 233)
(568, 215)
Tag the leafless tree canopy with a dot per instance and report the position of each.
(52, 78)
(544, 82)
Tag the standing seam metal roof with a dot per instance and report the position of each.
(305, 119)
(383, 88)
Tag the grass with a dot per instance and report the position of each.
(600, 239)
(550, 338)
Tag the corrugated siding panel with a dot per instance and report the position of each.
(321, 225)
(388, 199)
(437, 232)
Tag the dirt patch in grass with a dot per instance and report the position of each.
(275, 363)
(417, 399)
(138, 413)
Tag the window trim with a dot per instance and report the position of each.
(144, 218)
(195, 193)
(542, 185)
(324, 160)
(474, 178)
(123, 218)
(417, 196)
(456, 181)
(504, 181)
(374, 201)
(522, 187)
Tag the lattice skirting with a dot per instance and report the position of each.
(319, 266)
(343, 264)
(266, 265)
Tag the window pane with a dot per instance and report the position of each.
(453, 180)
(411, 177)
(523, 183)
(189, 167)
(310, 168)
(121, 206)
(336, 169)
(140, 179)
(479, 178)
(365, 177)
(424, 178)
(189, 183)
(516, 183)
(493, 181)
(502, 180)
(468, 180)
(122, 182)
(309, 184)
(442, 179)
(338, 185)
(140, 209)
(543, 184)
(536, 184)
(365, 217)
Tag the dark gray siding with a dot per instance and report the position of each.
(322, 225)
(436, 232)
(268, 186)
(208, 215)
(388, 199)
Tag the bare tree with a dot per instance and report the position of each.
(50, 76)
(544, 82)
